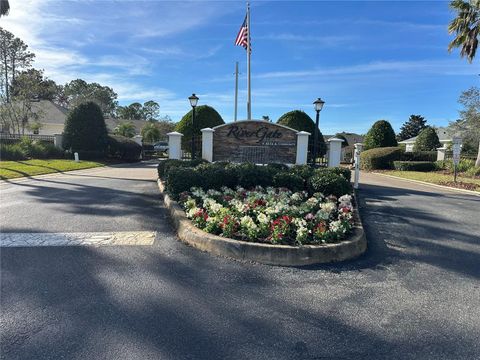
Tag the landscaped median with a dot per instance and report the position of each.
(271, 225)
(16, 169)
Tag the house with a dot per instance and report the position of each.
(348, 145)
(52, 119)
(442, 134)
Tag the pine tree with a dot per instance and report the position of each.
(412, 127)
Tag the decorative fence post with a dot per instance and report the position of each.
(207, 144)
(441, 153)
(302, 147)
(334, 152)
(175, 145)
(58, 141)
(358, 150)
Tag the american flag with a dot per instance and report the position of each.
(243, 36)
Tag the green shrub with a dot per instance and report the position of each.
(12, 152)
(346, 173)
(250, 175)
(304, 171)
(205, 117)
(85, 129)
(427, 140)
(380, 135)
(300, 121)
(275, 168)
(419, 156)
(329, 183)
(379, 158)
(164, 166)
(473, 171)
(414, 165)
(464, 165)
(216, 175)
(180, 179)
(289, 181)
(122, 148)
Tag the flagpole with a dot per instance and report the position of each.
(249, 99)
(236, 90)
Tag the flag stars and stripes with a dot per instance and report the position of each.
(243, 36)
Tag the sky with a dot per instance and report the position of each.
(368, 60)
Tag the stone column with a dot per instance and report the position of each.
(207, 144)
(175, 145)
(441, 153)
(334, 152)
(58, 141)
(302, 147)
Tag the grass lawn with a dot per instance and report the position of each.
(15, 169)
(438, 178)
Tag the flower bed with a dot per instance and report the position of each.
(270, 215)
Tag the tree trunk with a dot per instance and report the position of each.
(477, 163)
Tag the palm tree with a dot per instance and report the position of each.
(150, 133)
(4, 7)
(466, 27)
(126, 129)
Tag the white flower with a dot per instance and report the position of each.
(322, 215)
(337, 226)
(328, 207)
(312, 202)
(213, 192)
(192, 212)
(345, 199)
(198, 192)
(262, 218)
(297, 196)
(248, 222)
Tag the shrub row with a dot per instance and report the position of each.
(419, 156)
(414, 165)
(27, 148)
(379, 158)
(123, 148)
(180, 176)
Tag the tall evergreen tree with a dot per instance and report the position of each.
(412, 127)
(381, 134)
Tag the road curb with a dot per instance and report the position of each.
(430, 184)
(283, 255)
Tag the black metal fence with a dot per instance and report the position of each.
(463, 156)
(187, 148)
(13, 138)
(321, 160)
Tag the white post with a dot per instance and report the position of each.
(58, 141)
(77, 159)
(207, 144)
(358, 150)
(302, 147)
(334, 152)
(441, 153)
(175, 145)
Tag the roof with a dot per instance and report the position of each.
(442, 134)
(351, 138)
(49, 112)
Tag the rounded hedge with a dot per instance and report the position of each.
(85, 129)
(123, 148)
(329, 183)
(300, 121)
(380, 135)
(427, 140)
(379, 158)
(205, 117)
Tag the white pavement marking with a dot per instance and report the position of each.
(77, 239)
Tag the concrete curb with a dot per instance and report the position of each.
(471, 192)
(283, 255)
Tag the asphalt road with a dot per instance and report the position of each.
(414, 295)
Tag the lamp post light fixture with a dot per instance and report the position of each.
(318, 105)
(193, 102)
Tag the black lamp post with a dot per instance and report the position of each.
(193, 102)
(318, 105)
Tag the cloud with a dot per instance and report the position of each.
(317, 40)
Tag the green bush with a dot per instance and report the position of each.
(205, 116)
(346, 173)
(180, 179)
(329, 183)
(217, 175)
(275, 168)
(379, 158)
(300, 121)
(123, 148)
(250, 175)
(85, 129)
(464, 165)
(12, 152)
(164, 166)
(289, 181)
(473, 171)
(380, 135)
(427, 140)
(419, 156)
(414, 165)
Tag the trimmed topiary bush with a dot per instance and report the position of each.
(414, 165)
(329, 183)
(427, 140)
(346, 173)
(300, 121)
(380, 158)
(85, 129)
(380, 135)
(205, 117)
(123, 148)
(289, 181)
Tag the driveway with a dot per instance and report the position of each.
(414, 295)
